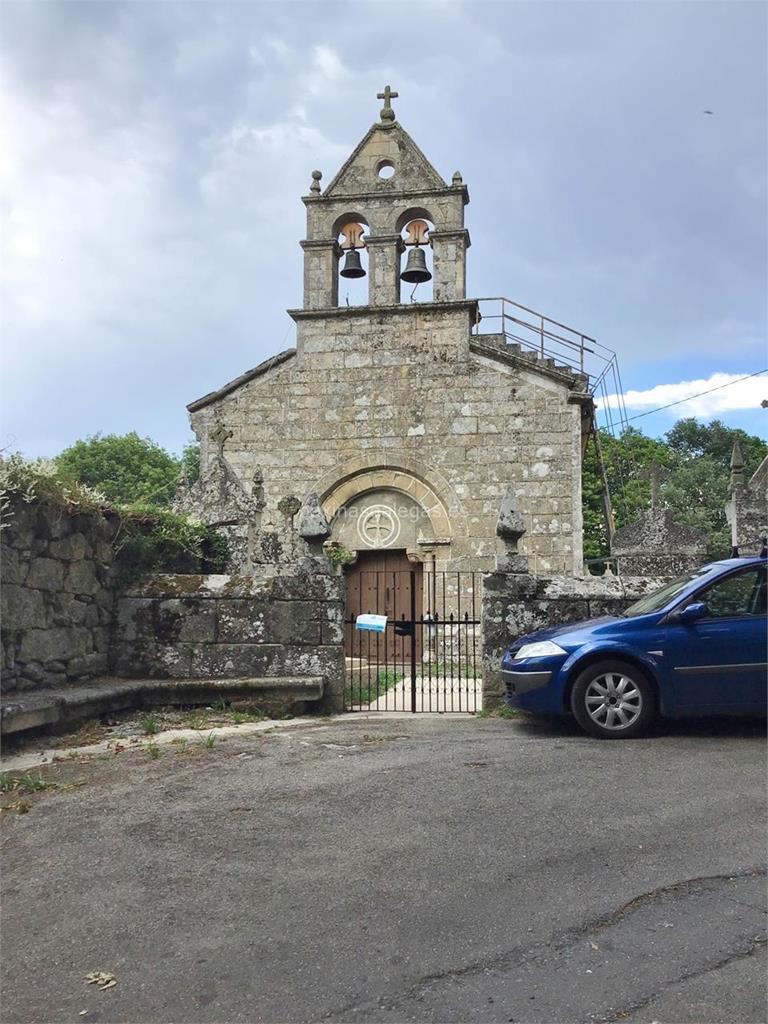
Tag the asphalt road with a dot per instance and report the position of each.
(418, 869)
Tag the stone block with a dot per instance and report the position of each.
(68, 610)
(13, 568)
(512, 562)
(81, 578)
(158, 662)
(185, 620)
(102, 639)
(332, 631)
(33, 671)
(57, 644)
(72, 548)
(104, 552)
(22, 608)
(51, 522)
(20, 530)
(270, 622)
(45, 574)
(87, 665)
(327, 662)
(231, 660)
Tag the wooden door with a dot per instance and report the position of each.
(380, 582)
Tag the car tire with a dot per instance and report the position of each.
(613, 700)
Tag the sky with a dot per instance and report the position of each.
(155, 154)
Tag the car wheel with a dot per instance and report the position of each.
(613, 700)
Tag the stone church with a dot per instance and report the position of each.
(410, 427)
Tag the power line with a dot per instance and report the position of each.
(700, 393)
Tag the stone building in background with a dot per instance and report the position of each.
(747, 510)
(409, 426)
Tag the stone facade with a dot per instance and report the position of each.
(398, 406)
(57, 595)
(517, 604)
(235, 627)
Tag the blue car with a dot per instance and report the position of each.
(696, 646)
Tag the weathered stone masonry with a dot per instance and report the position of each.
(57, 595)
(234, 627)
(66, 619)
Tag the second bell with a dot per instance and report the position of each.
(352, 265)
(416, 268)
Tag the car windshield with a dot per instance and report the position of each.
(655, 601)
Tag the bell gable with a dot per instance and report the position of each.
(386, 161)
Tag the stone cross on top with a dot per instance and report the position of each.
(655, 472)
(219, 435)
(387, 113)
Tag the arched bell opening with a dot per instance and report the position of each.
(416, 262)
(353, 262)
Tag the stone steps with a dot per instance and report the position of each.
(48, 708)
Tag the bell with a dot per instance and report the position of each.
(416, 268)
(352, 266)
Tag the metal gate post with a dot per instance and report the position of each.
(413, 641)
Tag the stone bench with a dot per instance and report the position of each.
(48, 708)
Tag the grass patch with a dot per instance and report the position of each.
(247, 715)
(362, 691)
(153, 751)
(196, 720)
(150, 724)
(24, 783)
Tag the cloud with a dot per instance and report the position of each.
(150, 190)
(735, 394)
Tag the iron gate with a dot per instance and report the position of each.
(428, 656)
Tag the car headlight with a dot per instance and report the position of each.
(542, 649)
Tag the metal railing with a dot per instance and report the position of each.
(565, 347)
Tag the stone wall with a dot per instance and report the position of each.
(235, 627)
(656, 545)
(514, 605)
(57, 595)
(747, 510)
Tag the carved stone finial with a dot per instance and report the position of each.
(457, 178)
(656, 473)
(182, 484)
(289, 506)
(316, 178)
(510, 525)
(313, 525)
(387, 113)
(737, 466)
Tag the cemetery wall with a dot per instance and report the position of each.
(57, 595)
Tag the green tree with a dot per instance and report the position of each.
(625, 459)
(696, 457)
(691, 439)
(127, 469)
(190, 461)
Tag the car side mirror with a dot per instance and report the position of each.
(691, 612)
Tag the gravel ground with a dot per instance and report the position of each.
(413, 868)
